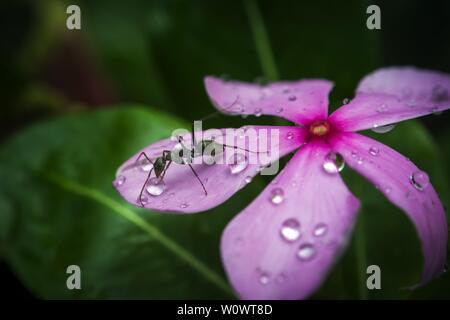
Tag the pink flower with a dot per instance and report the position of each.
(284, 243)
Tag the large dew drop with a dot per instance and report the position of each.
(419, 180)
(334, 163)
(382, 129)
(277, 196)
(290, 230)
(155, 187)
(237, 163)
(306, 252)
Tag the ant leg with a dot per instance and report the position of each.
(236, 147)
(133, 165)
(143, 186)
(145, 155)
(198, 178)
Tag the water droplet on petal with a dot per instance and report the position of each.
(248, 179)
(320, 230)
(290, 135)
(143, 200)
(374, 151)
(419, 180)
(277, 196)
(436, 111)
(334, 163)
(237, 163)
(292, 98)
(306, 252)
(120, 180)
(387, 190)
(411, 103)
(155, 186)
(345, 101)
(439, 94)
(382, 129)
(280, 110)
(184, 205)
(146, 166)
(360, 160)
(264, 278)
(290, 230)
(382, 108)
(354, 154)
(258, 112)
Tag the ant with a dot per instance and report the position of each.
(162, 163)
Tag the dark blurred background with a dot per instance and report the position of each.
(154, 54)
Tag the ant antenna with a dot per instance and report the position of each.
(211, 115)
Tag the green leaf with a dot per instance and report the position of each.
(58, 208)
(384, 236)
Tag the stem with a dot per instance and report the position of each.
(151, 230)
(361, 261)
(261, 40)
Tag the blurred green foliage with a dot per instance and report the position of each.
(57, 206)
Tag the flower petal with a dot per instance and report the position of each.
(298, 101)
(394, 94)
(183, 192)
(405, 186)
(282, 248)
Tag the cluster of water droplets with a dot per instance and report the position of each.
(291, 232)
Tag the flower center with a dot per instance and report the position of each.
(319, 128)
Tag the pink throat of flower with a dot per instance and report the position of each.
(319, 128)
